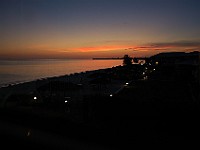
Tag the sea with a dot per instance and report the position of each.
(19, 71)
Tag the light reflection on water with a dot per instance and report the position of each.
(20, 71)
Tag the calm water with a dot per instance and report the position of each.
(21, 71)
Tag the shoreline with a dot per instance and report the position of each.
(5, 85)
(30, 71)
(75, 78)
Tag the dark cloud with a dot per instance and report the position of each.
(184, 45)
(177, 44)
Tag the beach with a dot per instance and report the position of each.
(108, 82)
(18, 71)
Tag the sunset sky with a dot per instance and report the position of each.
(97, 28)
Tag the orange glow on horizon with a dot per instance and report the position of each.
(101, 48)
(47, 51)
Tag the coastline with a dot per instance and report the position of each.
(5, 85)
(75, 78)
(25, 71)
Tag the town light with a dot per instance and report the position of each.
(145, 78)
(67, 99)
(111, 95)
(34, 97)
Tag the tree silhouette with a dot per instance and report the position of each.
(127, 61)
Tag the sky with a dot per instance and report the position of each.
(97, 28)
